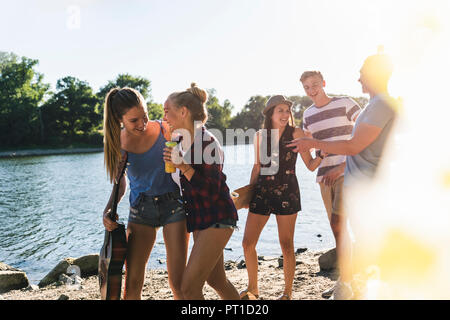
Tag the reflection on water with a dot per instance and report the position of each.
(51, 208)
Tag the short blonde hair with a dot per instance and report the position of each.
(307, 74)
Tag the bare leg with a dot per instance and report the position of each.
(141, 239)
(176, 240)
(219, 282)
(253, 227)
(286, 228)
(206, 252)
(343, 246)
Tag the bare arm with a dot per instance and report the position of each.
(364, 135)
(107, 222)
(255, 173)
(310, 163)
(122, 190)
(257, 165)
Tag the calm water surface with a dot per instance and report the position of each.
(51, 208)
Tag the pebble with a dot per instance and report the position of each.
(228, 265)
(32, 287)
(241, 265)
(64, 278)
(280, 262)
(63, 297)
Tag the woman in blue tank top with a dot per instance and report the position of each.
(154, 196)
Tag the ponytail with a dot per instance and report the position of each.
(111, 140)
(117, 103)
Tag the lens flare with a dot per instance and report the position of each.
(401, 220)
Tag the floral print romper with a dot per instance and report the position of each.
(279, 193)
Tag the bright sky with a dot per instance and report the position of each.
(239, 47)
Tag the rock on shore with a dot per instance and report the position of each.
(88, 266)
(309, 282)
(11, 278)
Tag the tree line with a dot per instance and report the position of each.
(33, 115)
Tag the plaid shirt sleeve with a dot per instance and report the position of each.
(207, 183)
(206, 196)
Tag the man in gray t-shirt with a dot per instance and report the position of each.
(379, 113)
(365, 148)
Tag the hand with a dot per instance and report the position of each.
(173, 156)
(301, 144)
(108, 223)
(331, 176)
(323, 153)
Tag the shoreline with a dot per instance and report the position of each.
(310, 281)
(60, 151)
(47, 152)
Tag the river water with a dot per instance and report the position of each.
(51, 208)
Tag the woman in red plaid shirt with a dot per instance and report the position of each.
(211, 214)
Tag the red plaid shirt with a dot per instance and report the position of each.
(206, 197)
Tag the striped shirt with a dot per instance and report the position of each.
(331, 122)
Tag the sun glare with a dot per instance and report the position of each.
(404, 237)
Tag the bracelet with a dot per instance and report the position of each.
(319, 154)
(183, 173)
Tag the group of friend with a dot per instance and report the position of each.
(349, 143)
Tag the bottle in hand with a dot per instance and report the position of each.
(169, 166)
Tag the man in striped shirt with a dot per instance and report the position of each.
(330, 119)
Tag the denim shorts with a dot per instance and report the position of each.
(157, 211)
(224, 224)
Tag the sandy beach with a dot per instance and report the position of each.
(309, 283)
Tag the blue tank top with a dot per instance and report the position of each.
(146, 172)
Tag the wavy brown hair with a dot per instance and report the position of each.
(268, 119)
(117, 102)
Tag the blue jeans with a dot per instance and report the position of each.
(157, 211)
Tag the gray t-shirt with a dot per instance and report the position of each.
(380, 113)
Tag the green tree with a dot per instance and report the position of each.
(141, 84)
(70, 114)
(155, 110)
(125, 80)
(219, 116)
(21, 92)
(300, 103)
(250, 117)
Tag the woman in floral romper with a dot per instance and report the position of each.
(276, 191)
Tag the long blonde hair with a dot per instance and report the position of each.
(117, 102)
